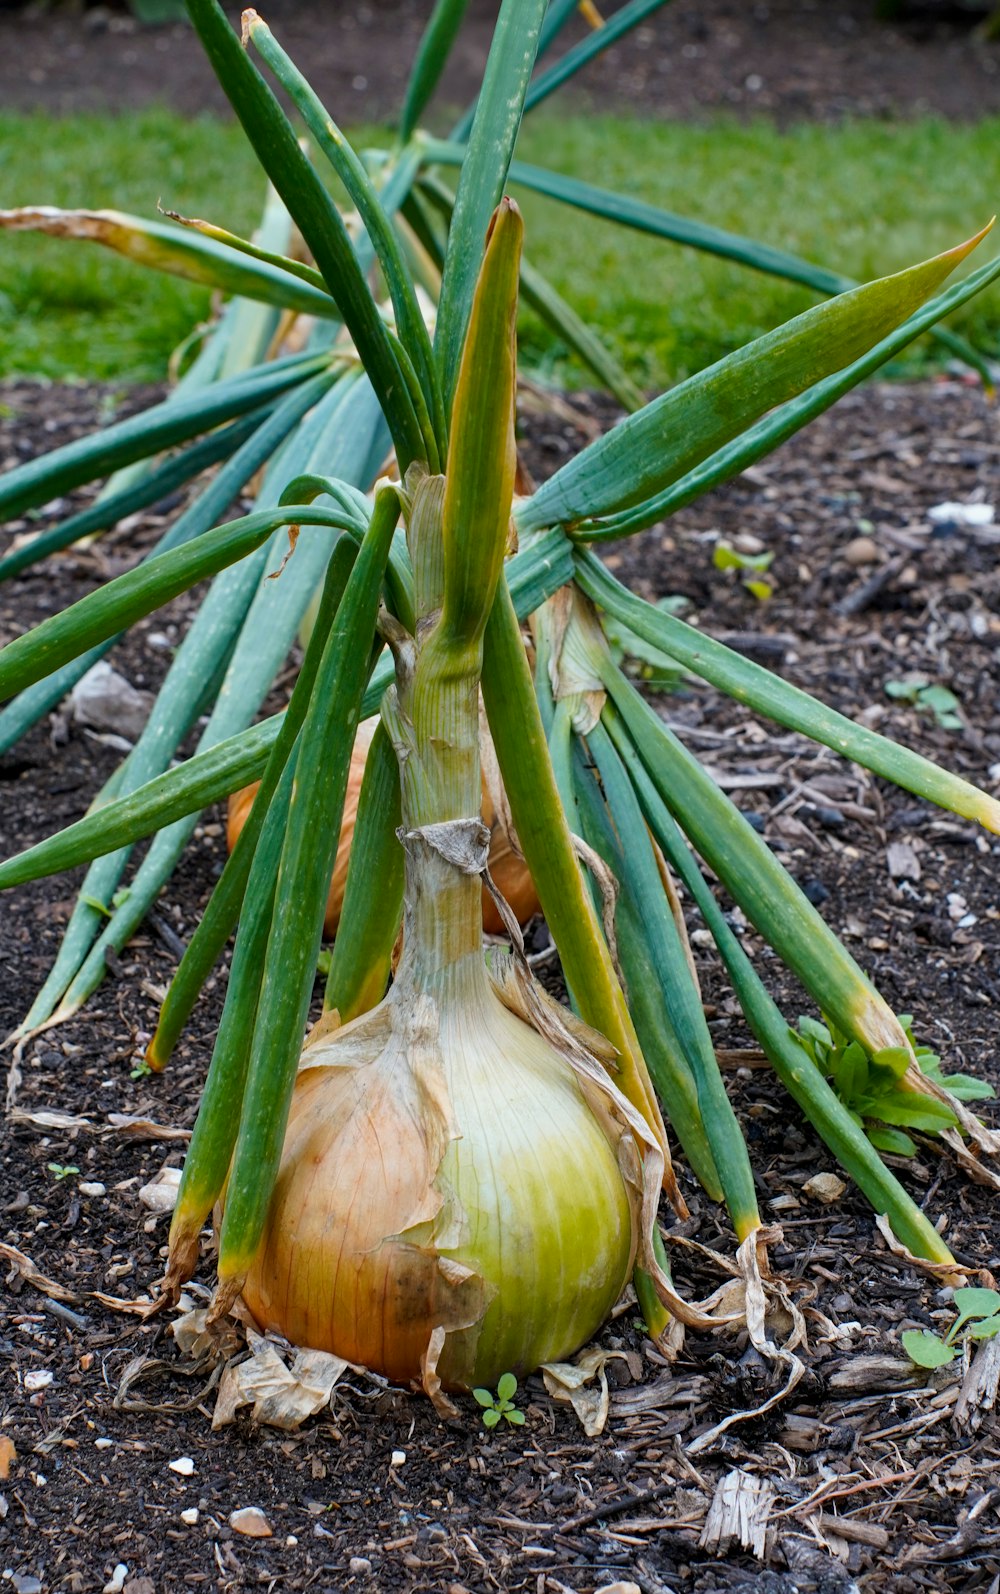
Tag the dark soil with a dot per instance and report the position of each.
(872, 1480)
(791, 59)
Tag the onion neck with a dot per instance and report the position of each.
(442, 926)
(433, 720)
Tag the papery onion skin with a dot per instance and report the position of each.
(510, 872)
(533, 1198)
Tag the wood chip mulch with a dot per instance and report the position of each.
(870, 1476)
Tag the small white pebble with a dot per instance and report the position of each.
(183, 1465)
(103, 1444)
(160, 1195)
(116, 1582)
(359, 1565)
(291, 1541)
(87, 1188)
(962, 514)
(398, 1458)
(38, 1378)
(190, 1516)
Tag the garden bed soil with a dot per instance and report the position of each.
(790, 59)
(874, 1486)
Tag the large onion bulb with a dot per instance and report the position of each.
(509, 871)
(449, 1205)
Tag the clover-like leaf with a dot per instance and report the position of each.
(507, 1387)
(975, 1303)
(483, 1396)
(926, 1349)
(986, 1328)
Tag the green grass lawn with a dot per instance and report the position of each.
(865, 199)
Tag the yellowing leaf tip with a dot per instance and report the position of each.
(961, 250)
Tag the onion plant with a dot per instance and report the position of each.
(486, 1162)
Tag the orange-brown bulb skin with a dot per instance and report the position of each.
(465, 1184)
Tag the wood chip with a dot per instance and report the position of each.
(853, 1530)
(978, 1394)
(740, 1509)
(902, 861)
(825, 1187)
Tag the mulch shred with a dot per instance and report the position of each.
(869, 1481)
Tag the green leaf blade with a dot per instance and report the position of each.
(484, 173)
(648, 451)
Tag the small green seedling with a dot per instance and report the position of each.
(62, 1170)
(928, 699)
(117, 901)
(978, 1314)
(871, 1087)
(502, 1404)
(752, 566)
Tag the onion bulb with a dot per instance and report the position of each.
(509, 871)
(451, 1203)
